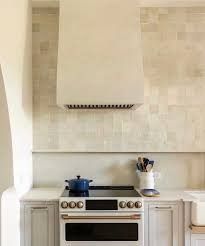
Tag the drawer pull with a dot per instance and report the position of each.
(39, 208)
(163, 207)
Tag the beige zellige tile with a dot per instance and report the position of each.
(172, 117)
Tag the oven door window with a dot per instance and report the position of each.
(101, 232)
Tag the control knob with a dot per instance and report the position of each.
(80, 204)
(64, 204)
(72, 204)
(130, 204)
(138, 204)
(122, 204)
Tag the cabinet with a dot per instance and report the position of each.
(39, 224)
(197, 239)
(164, 224)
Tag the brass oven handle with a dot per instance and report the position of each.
(131, 217)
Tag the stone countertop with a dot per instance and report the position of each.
(172, 195)
(53, 194)
(42, 194)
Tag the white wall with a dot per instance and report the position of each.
(10, 218)
(6, 171)
(15, 60)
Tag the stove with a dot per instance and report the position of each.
(103, 216)
(102, 198)
(104, 191)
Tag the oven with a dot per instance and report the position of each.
(99, 220)
(101, 229)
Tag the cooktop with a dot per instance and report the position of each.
(104, 191)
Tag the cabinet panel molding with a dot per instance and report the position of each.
(164, 224)
(197, 239)
(39, 224)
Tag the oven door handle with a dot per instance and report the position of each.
(118, 217)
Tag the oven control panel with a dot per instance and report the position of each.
(76, 204)
(72, 204)
(130, 204)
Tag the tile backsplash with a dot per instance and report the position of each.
(172, 118)
(181, 170)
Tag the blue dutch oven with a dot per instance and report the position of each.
(79, 184)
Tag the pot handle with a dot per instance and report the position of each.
(67, 186)
(90, 180)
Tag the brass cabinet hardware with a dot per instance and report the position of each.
(164, 207)
(39, 208)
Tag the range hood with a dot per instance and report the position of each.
(99, 56)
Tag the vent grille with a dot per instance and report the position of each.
(118, 106)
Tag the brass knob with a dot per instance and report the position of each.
(64, 204)
(72, 204)
(130, 204)
(80, 204)
(122, 204)
(138, 204)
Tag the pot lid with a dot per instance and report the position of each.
(79, 179)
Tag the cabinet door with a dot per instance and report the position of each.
(197, 240)
(163, 225)
(39, 225)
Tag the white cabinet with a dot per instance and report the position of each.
(39, 224)
(164, 224)
(197, 239)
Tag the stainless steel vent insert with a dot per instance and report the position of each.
(118, 106)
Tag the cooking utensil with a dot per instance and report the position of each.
(141, 167)
(141, 164)
(146, 162)
(138, 167)
(79, 184)
(149, 167)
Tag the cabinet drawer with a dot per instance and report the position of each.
(197, 239)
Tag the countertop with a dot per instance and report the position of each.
(42, 194)
(53, 194)
(172, 195)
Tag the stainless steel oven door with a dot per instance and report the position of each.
(102, 229)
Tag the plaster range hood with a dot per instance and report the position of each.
(99, 56)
